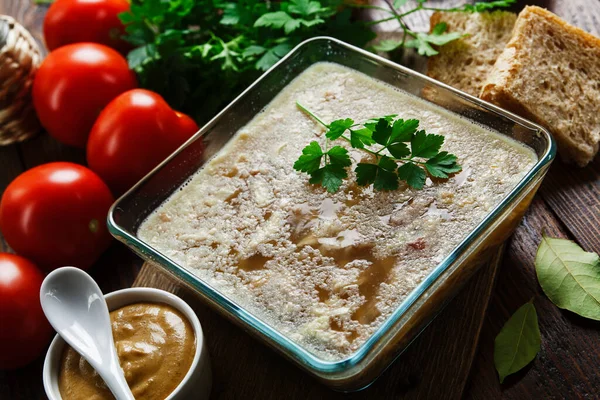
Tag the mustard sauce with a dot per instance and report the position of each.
(156, 346)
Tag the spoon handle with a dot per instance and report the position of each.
(115, 380)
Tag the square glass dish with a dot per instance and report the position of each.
(430, 295)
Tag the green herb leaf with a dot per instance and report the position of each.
(276, 19)
(423, 41)
(387, 45)
(382, 131)
(271, 56)
(486, 6)
(398, 150)
(399, 3)
(235, 13)
(403, 131)
(330, 177)
(426, 145)
(569, 276)
(422, 45)
(339, 155)
(310, 160)
(372, 122)
(254, 51)
(361, 137)
(381, 175)
(413, 175)
(138, 56)
(305, 8)
(442, 165)
(439, 28)
(365, 173)
(338, 127)
(518, 342)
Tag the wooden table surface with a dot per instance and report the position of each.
(567, 205)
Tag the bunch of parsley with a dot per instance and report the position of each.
(199, 54)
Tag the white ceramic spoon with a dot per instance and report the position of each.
(75, 307)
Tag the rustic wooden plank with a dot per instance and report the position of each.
(569, 360)
(450, 341)
(573, 194)
(44, 149)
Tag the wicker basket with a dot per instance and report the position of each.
(19, 59)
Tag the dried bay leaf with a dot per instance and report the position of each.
(569, 276)
(518, 342)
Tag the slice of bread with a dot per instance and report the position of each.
(550, 72)
(465, 63)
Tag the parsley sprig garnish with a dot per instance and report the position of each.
(400, 151)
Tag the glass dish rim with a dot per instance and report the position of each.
(293, 349)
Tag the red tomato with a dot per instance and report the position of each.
(132, 135)
(75, 21)
(25, 330)
(55, 215)
(72, 86)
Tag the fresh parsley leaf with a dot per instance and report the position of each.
(442, 165)
(439, 28)
(387, 45)
(338, 127)
(413, 175)
(276, 19)
(385, 180)
(422, 45)
(305, 8)
(399, 3)
(443, 38)
(279, 19)
(381, 175)
(372, 122)
(423, 41)
(235, 13)
(403, 131)
(339, 155)
(254, 50)
(365, 173)
(398, 150)
(138, 56)
(486, 6)
(426, 145)
(310, 160)
(271, 56)
(382, 132)
(360, 138)
(518, 342)
(387, 164)
(330, 177)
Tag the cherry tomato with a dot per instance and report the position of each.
(75, 21)
(55, 215)
(72, 86)
(132, 135)
(25, 331)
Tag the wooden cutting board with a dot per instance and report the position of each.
(435, 366)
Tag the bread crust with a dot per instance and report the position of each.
(549, 72)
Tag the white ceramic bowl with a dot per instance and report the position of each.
(196, 383)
